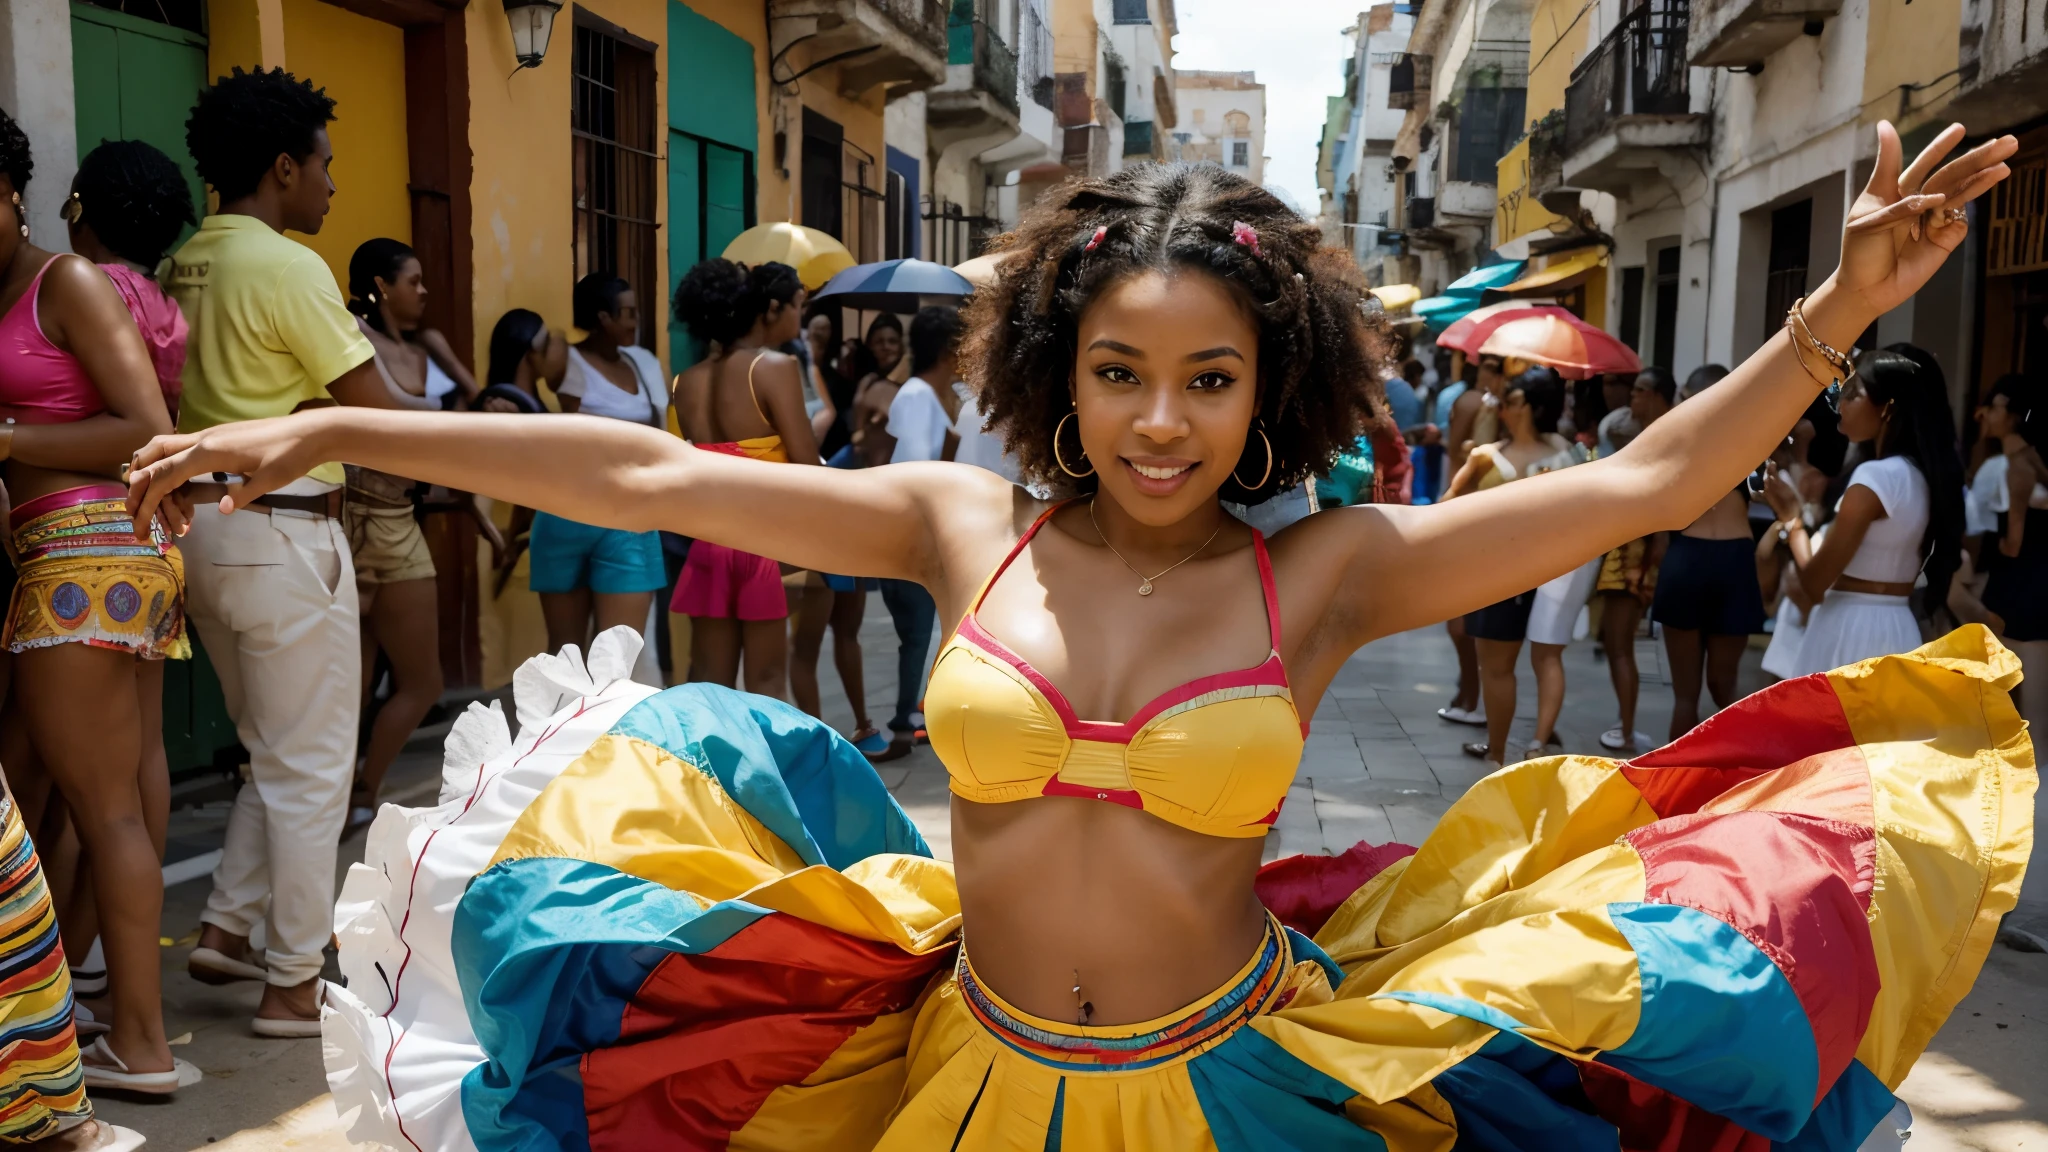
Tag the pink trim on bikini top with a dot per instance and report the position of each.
(41, 383)
(1273, 671)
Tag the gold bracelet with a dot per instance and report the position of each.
(1804, 339)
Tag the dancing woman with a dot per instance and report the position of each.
(1165, 339)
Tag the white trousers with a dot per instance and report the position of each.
(274, 599)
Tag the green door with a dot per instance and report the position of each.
(712, 137)
(137, 79)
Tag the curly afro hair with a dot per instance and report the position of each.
(15, 161)
(1321, 347)
(718, 300)
(246, 120)
(134, 199)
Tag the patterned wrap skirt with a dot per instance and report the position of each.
(696, 919)
(42, 1087)
(82, 579)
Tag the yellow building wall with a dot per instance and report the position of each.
(1560, 34)
(1074, 36)
(1896, 52)
(361, 64)
(1516, 212)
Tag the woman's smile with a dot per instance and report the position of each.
(1159, 475)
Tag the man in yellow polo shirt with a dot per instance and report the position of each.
(271, 589)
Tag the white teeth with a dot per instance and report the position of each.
(1151, 473)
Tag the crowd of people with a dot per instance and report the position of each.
(1871, 529)
(1865, 532)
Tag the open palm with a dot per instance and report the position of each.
(1899, 230)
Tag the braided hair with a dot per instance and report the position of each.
(15, 161)
(134, 199)
(246, 120)
(1320, 349)
(719, 301)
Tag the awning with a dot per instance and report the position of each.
(1562, 267)
(1463, 294)
(1397, 297)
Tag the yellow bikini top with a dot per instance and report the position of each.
(768, 448)
(1215, 755)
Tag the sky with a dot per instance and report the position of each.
(1297, 49)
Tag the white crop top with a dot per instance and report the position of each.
(1890, 552)
(601, 397)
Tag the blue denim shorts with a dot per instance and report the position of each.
(566, 556)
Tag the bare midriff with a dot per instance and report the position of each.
(25, 482)
(1145, 916)
(1728, 519)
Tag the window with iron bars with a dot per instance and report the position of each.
(862, 210)
(612, 132)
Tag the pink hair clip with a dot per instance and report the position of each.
(1244, 234)
(1100, 232)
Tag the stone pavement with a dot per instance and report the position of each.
(1379, 766)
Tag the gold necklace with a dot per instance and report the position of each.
(1145, 582)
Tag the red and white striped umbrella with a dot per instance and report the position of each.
(1469, 331)
(1575, 348)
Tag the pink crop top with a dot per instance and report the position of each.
(40, 383)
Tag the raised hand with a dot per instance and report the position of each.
(1907, 222)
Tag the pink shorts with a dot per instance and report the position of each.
(728, 584)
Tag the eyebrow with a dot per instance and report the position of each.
(1115, 346)
(1216, 353)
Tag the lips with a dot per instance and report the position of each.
(1159, 477)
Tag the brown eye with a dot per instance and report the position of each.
(1210, 381)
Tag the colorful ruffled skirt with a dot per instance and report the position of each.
(42, 1086)
(696, 919)
(82, 579)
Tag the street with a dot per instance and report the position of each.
(1379, 766)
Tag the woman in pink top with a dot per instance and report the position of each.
(93, 612)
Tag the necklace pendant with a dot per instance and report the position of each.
(1145, 589)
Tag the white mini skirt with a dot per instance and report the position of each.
(1558, 602)
(1851, 626)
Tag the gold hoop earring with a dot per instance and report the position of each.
(1061, 461)
(1263, 476)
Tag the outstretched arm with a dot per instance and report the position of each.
(880, 522)
(1402, 567)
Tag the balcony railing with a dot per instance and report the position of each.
(1408, 81)
(1034, 54)
(972, 41)
(1639, 70)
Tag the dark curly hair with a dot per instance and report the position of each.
(719, 300)
(1319, 349)
(246, 120)
(15, 161)
(597, 294)
(134, 199)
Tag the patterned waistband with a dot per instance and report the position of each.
(1200, 1026)
(89, 524)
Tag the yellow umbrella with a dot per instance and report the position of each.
(815, 255)
(1397, 297)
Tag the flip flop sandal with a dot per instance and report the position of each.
(870, 742)
(1477, 750)
(85, 1023)
(896, 749)
(272, 1028)
(1472, 716)
(359, 818)
(210, 966)
(104, 1070)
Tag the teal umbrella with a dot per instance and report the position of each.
(1463, 295)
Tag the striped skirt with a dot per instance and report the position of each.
(42, 1088)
